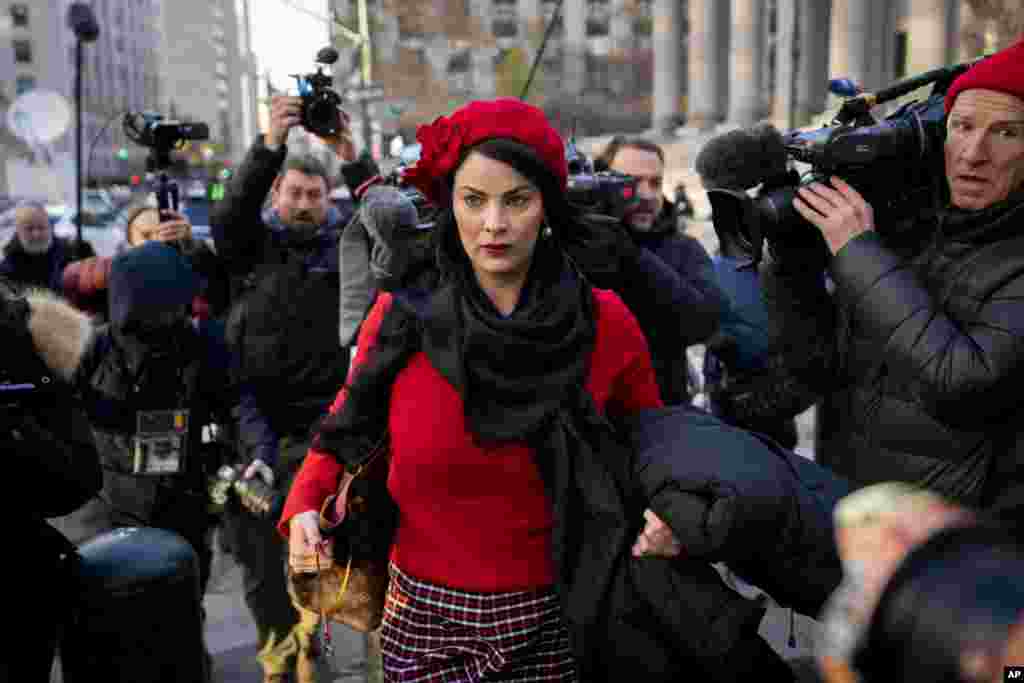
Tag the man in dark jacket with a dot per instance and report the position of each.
(34, 257)
(47, 449)
(920, 350)
(283, 332)
(654, 226)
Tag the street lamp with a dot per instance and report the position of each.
(82, 21)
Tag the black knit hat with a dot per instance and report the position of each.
(149, 279)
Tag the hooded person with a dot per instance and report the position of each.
(150, 381)
(47, 449)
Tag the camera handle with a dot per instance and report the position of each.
(855, 109)
(167, 195)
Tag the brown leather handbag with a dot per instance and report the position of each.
(350, 589)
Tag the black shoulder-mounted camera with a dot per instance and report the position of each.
(604, 192)
(320, 103)
(895, 163)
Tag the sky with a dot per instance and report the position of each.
(286, 35)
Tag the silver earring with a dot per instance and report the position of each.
(546, 231)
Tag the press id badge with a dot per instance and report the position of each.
(160, 441)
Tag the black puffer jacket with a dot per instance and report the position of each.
(735, 497)
(50, 461)
(920, 356)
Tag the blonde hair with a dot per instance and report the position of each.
(871, 504)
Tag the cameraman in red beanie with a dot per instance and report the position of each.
(919, 350)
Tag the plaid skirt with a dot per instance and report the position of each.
(434, 633)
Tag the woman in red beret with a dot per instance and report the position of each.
(493, 389)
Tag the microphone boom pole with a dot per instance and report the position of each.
(82, 21)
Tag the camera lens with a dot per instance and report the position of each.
(323, 117)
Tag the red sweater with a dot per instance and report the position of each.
(471, 518)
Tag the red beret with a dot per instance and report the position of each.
(1003, 71)
(444, 140)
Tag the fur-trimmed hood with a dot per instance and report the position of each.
(60, 332)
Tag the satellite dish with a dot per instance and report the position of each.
(39, 117)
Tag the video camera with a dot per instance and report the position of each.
(151, 130)
(605, 192)
(894, 163)
(321, 105)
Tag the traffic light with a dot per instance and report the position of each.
(215, 192)
(225, 174)
(122, 154)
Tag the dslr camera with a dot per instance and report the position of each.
(894, 163)
(321, 104)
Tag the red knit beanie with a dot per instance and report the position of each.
(1003, 71)
(444, 140)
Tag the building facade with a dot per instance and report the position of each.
(430, 56)
(210, 72)
(772, 59)
(120, 73)
(652, 64)
(186, 58)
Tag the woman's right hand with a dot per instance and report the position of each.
(173, 228)
(305, 539)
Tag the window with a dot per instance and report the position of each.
(19, 15)
(598, 18)
(22, 52)
(460, 72)
(24, 84)
(643, 22)
(505, 28)
(548, 10)
(598, 74)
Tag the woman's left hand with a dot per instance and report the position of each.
(656, 540)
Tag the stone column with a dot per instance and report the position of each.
(786, 64)
(838, 61)
(932, 28)
(709, 68)
(574, 46)
(747, 52)
(813, 72)
(667, 37)
(870, 43)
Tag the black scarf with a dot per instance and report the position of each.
(522, 378)
(1002, 220)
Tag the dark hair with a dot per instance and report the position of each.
(306, 164)
(604, 160)
(959, 592)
